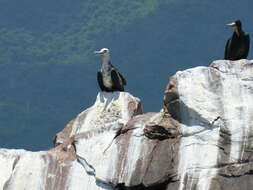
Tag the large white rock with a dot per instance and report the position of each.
(7, 164)
(43, 170)
(214, 101)
(80, 161)
(95, 130)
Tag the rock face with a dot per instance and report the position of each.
(201, 140)
(215, 108)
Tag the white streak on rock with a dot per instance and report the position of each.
(135, 149)
(78, 179)
(7, 158)
(96, 132)
(221, 94)
(28, 172)
(198, 149)
(233, 105)
(238, 105)
(108, 109)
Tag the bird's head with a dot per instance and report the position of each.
(236, 25)
(104, 52)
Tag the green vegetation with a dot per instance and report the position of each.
(68, 38)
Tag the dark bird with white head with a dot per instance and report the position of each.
(109, 78)
(238, 44)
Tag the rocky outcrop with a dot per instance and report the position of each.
(216, 125)
(202, 139)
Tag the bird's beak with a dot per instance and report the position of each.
(97, 52)
(232, 24)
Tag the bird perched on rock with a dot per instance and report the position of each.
(238, 44)
(109, 78)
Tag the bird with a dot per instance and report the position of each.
(237, 46)
(109, 78)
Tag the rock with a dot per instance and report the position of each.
(162, 127)
(72, 163)
(35, 170)
(216, 108)
(141, 160)
(125, 156)
(171, 99)
(94, 132)
(202, 139)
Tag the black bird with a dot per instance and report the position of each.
(238, 44)
(109, 79)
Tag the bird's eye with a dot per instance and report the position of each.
(104, 51)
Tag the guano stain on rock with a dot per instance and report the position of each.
(202, 139)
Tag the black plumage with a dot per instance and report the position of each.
(238, 45)
(109, 78)
(116, 81)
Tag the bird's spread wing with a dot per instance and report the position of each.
(100, 81)
(117, 81)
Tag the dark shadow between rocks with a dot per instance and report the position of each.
(162, 186)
